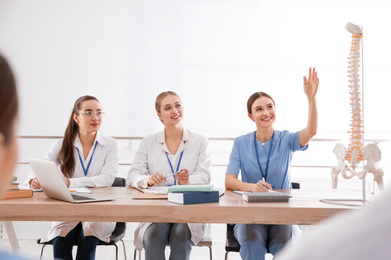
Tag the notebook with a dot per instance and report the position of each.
(53, 185)
(270, 196)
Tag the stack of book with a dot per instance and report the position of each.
(192, 194)
(13, 191)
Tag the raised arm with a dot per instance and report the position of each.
(310, 88)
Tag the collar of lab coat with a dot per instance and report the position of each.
(98, 138)
(182, 146)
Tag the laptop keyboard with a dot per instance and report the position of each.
(79, 197)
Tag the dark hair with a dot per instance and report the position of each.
(65, 156)
(8, 100)
(254, 97)
(161, 96)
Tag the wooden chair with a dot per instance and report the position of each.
(116, 236)
(205, 242)
(231, 244)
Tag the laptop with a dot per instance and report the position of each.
(54, 187)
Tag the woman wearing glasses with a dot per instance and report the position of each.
(263, 157)
(174, 156)
(89, 159)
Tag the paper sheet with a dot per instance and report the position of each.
(157, 190)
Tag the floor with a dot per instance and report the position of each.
(30, 249)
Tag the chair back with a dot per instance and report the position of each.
(119, 182)
(118, 232)
(231, 244)
(120, 227)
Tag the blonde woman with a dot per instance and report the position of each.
(173, 150)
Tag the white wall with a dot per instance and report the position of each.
(214, 53)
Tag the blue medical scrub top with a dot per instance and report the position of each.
(243, 158)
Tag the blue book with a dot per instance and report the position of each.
(193, 197)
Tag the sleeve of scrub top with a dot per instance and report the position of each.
(108, 172)
(294, 142)
(234, 159)
(201, 175)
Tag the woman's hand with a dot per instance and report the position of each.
(311, 85)
(34, 183)
(182, 177)
(310, 89)
(232, 183)
(261, 186)
(156, 179)
(67, 182)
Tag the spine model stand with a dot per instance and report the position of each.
(350, 157)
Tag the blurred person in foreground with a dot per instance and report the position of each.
(8, 126)
(353, 235)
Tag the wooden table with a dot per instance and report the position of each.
(303, 208)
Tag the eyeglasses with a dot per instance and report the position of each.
(91, 113)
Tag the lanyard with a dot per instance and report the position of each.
(268, 157)
(177, 168)
(89, 163)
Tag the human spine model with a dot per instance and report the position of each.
(348, 159)
(353, 153)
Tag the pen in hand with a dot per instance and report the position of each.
(173, 174)
(266, 185)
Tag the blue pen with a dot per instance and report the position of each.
(172, 174)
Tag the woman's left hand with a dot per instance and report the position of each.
(182, 177)
(311, 85)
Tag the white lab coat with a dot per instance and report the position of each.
(102, 172)
(151, 158)
(360, 234)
